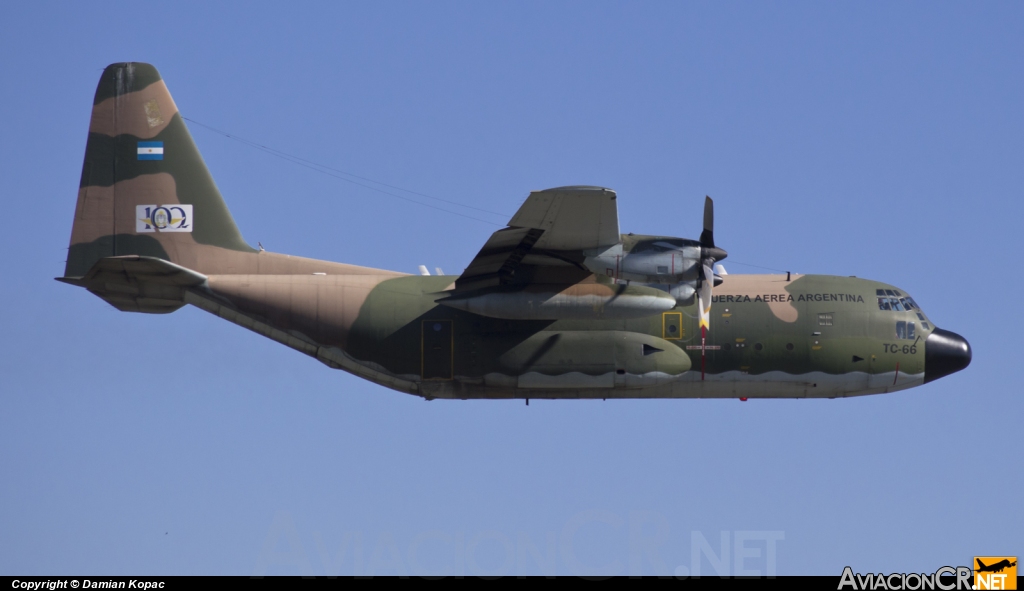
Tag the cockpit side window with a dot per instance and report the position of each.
(905, 330)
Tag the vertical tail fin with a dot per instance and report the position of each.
(145, 189)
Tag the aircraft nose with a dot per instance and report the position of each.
(945, 352)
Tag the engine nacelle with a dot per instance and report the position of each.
(667, 261)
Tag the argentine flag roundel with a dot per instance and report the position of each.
(151, 151)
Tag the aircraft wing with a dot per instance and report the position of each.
(545, 240)
(572, 218)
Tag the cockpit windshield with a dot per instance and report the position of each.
(891, 300)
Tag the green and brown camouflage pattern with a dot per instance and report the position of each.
(768, 334)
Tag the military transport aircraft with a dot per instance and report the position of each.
(557, 305)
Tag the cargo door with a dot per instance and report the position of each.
(437, 346)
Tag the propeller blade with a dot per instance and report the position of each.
(706, 284)
(707, 237)
(704, 303)
(709, 254)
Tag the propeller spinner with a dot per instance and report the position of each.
(709, 254)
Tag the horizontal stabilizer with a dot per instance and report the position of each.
(136, 283)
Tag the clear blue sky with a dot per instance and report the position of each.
(879, 140)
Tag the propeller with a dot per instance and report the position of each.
(709, 254)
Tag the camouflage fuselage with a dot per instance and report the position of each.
(811, 336)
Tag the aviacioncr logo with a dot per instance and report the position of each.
(163, 218)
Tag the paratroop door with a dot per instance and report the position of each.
(437, 350)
